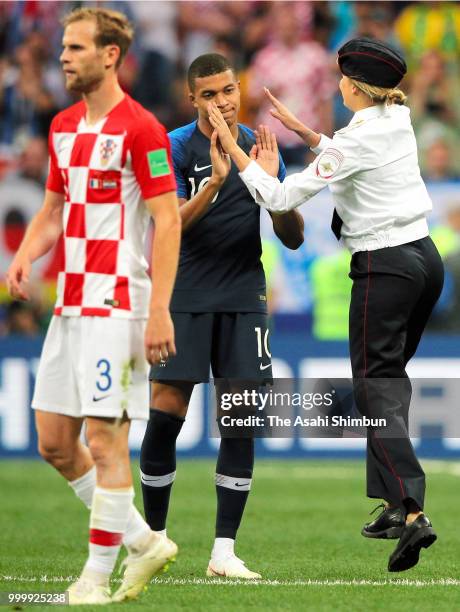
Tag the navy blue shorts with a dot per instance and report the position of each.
(235, 345)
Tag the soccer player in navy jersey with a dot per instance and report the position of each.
(218, 306)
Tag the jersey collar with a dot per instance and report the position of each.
(371, 112)
(96, 128)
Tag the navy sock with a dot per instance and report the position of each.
(233, 481)
(158, 465)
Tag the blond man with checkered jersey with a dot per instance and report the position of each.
(110, 171)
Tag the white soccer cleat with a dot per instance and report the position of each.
(230, 567)
(87, 592)
(140, 569)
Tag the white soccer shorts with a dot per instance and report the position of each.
(93, 366)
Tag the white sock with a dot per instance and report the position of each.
(162, 532)
(223, 548)
(137, 528)
(84, 486)
(108, 520)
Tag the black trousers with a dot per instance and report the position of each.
(393, 294)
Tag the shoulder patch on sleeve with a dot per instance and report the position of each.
(328, 163)
(158, 163)
(347, 128)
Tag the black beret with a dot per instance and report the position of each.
(371, 61)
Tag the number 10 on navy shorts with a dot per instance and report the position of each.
(234, 344)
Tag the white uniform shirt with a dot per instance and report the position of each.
(371, 167)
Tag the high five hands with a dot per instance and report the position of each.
(282, 113)
(216, 119)
(290, 121)
(221, 162)
(264, 152)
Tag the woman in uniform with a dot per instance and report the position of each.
(371, 168)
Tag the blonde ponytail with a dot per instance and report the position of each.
(396, 96)
(381, 95)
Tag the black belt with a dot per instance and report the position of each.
(336, 224)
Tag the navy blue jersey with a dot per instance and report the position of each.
(219, 267)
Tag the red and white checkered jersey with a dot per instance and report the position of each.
(106, 171)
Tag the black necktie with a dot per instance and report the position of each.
(336, 224)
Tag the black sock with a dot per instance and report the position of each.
(158, 465)
(233, 482)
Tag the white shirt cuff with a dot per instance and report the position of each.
(252, 172)
(261, 185)
(324, 142)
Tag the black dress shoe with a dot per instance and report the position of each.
(416, 535)
(388, 525)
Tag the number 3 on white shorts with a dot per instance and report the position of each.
(105, 380)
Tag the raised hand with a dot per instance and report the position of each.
(267, 151)
(290, 121)
(227, 142)
(282, 113)
(221, 162)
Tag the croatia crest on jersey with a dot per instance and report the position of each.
(107, 149)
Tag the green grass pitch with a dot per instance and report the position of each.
(301, 530)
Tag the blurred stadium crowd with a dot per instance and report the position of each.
(289, 47)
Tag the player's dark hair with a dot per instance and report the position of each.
(207, 65)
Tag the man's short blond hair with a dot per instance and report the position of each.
(113, 28)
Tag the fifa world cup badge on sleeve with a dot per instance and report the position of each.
(158, 163)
